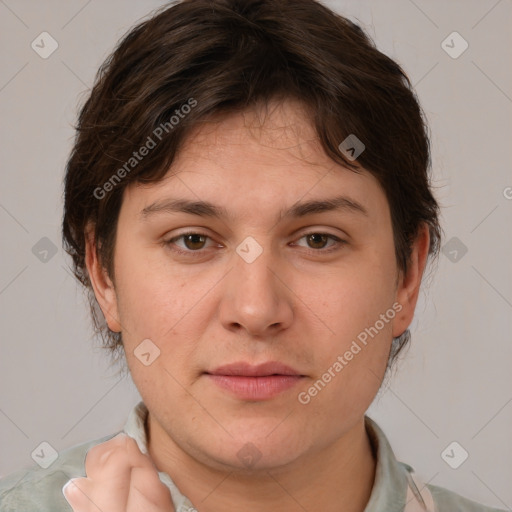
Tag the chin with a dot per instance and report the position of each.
(258, 449)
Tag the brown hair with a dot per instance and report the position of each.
(223, 56)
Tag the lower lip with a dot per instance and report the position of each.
(255, 388)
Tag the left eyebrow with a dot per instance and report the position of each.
(339, 203)
(207, 209)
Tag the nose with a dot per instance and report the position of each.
(255, 297)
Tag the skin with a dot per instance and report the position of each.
(295, 303)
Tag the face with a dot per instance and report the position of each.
(264, 280)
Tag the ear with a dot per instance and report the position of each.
(409, 283)
(102, 285)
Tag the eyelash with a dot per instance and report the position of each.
(200, 252)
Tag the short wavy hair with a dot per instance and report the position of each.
(230, 55)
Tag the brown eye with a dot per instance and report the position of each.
(188, 244)
(194, 241)
(317, 240)
(318, 243)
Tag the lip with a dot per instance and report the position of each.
(255, 382)
(244, 369)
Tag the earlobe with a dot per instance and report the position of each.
(409, 283)
(102, 285)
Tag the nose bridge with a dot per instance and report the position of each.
(254, 277)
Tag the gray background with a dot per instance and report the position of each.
(454, 383)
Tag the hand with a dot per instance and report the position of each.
(119, 479)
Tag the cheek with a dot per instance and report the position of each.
(353, 355)
(153, 298)
(354, 298)
(169, 308)
(156, 306)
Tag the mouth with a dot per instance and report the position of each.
(255, 383)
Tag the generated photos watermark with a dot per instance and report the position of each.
(304, 397)
(151, 142)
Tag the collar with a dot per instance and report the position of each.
(389, 488)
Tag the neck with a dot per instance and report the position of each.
(339, 477)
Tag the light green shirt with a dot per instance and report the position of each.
(40, 490)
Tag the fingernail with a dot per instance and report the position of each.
(66, 486)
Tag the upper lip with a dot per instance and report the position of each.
(248, 370)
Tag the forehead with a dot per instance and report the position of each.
(276, 134)
(264, 156)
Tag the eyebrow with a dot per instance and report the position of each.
(207, 209)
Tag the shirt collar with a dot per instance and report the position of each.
(135, 428)
(389, 488)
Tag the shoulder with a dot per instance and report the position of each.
(40, 490)
(448, 501)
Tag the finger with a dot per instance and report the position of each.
(109, 468)
(114, 459)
